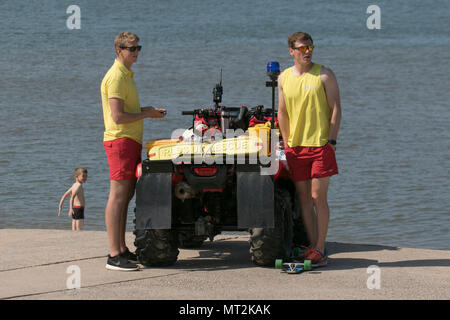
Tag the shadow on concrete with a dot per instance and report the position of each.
(338, 247)
(218, 255)
(356, 263)
(228, 255)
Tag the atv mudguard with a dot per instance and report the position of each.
(154, 196)
(255, 198)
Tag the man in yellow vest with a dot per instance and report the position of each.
(123, 117)
(309, 115)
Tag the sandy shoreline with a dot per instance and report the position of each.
(39, 264)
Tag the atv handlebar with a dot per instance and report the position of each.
(258, 112)
(203, 112)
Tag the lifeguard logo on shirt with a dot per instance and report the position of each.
(306, 87)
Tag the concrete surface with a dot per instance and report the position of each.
(36, 264)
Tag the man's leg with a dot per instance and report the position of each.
(117, 204)
(123, 221)
(308, 215)
(319, 190)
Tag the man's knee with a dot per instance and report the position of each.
(306, 202)
(131, 194)
(319, 190)
(119, 196)
(319, 198)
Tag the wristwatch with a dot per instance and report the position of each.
(333, 142)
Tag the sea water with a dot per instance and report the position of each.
(394, 141)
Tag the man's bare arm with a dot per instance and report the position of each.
(119, 115)
(283, 116)
(332, 92)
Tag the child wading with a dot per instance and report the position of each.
(77, 202)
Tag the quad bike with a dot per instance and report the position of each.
(225, 173)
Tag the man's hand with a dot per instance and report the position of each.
(152, 112)
(70, 213)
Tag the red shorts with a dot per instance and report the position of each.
(123, 154)
(306, 163)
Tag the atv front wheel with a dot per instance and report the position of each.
(269, 244)
(156, 248)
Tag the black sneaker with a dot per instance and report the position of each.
(120, 263)
(130, 256)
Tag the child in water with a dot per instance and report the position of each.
(77, 203)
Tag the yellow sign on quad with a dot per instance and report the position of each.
(254, 142)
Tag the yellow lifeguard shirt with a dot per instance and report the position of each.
(119, 83)
(307, 107)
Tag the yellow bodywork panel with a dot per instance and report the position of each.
(256, 142)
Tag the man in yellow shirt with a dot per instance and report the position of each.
(123, 117)
(309, 115)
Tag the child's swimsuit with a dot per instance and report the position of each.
(78, 212)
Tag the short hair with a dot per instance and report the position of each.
(124, 37)
(298, 36)
(79, 171)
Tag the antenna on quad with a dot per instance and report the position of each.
(218, 91)
(273, 71)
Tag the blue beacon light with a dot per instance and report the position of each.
(273, 67)
(273, 70)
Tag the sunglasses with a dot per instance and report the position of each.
(132, 49)
(303, 48)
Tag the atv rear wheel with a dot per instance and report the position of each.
(269, 244)
(156, 248)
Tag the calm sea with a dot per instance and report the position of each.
(394, 142)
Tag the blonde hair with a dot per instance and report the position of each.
(298, 36)
(79, 171)
(124, 37)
